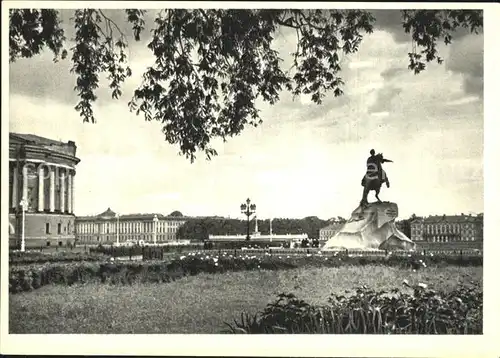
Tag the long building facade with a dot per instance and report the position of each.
(41, 179)
(448, 230)
(108, 228)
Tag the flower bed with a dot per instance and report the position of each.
(25, 278)
(369, 312)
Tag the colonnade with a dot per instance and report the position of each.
(59, 176)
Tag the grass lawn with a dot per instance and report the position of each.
(201, 304)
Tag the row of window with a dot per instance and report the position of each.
(451, 228)
(112, 238)
(60, 229)
(128, 227)
(445, 238)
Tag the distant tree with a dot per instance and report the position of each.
(198, 229)
(176, 213)
(213, 64)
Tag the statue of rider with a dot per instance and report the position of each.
(374, 165)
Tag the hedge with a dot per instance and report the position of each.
(30, 277)
(137, 250)
(34, 257)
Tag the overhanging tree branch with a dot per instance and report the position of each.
(237, 65)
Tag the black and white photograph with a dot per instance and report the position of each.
(225, 168)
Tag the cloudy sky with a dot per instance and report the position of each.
(305, 159)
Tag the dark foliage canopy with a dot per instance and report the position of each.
(212, 65)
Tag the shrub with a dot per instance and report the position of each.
(25, 278)
(370, 312)
(32, 257)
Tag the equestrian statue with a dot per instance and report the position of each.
(375, 176)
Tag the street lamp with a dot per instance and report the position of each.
(248, 209)
(117, 229)
(24, 207)
(155, 225)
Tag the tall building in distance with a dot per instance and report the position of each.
(448, 230)
(108, 228)
(42, 172)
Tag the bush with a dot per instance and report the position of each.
(67, 273)
(150, 250)
(33, 257)
(370, 312)
(236, 245)
(119, 251)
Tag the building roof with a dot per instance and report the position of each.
(110, 214)
(68, 148)
(451, 218)
(107, 213)
(35, 139)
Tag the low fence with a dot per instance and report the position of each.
(352, 252)
(159, 252)
(156, 253)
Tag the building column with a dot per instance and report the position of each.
(70, 192)
(41, 192)
(62, 193)
(73, 192)
(25, 182)
(52, 194)
(15, 179)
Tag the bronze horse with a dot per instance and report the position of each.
(373, 184)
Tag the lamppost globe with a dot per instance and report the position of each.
(24, 204)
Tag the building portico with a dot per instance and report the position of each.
(42, 172)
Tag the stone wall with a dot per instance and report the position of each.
(61, 230)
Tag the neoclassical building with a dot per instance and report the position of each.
(447, 229)
(108, 227)
(42, 172)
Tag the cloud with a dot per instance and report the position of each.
(392, 72)
(41, 77)
(467, 59)
(392, 22)
(305, 159)
(361, 64)
(462, 100)
(380, 114)
(384, 99)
